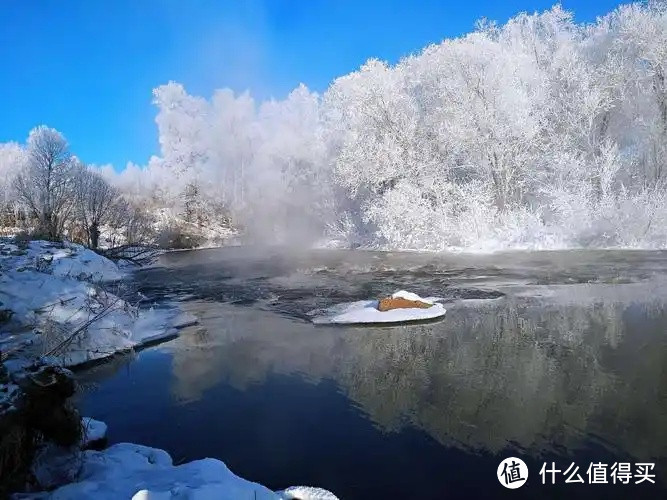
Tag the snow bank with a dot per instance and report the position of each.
(61, 259)
(87, 265)
(133, 471)
(55, 289)
(366, 311)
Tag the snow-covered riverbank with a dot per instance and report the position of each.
(66, 302)
(131, 471)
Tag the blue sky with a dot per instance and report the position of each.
(87, 68)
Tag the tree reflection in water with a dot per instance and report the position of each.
(540, 374)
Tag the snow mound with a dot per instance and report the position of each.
(61, 259)
(93, 430)
(403, 294)
(366, 311)
(138, 472)
(87, 265)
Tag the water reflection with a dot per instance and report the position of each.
(569, 363)
(542, 375)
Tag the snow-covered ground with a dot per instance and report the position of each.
(131, 471)
(66, 304)
(366, 311)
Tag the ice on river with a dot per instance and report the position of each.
(366, 311)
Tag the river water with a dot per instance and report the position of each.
(546, 356)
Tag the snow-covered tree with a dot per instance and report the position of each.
(45, 185)
(98, 204)
(541, 132)
(12, 161)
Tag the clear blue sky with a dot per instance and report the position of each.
(87, 67)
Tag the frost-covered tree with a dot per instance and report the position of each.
(191, 202)
(12, 161)
(98, 204)
(182, 127)
(555, 125)
(540, 132)
(45, 185)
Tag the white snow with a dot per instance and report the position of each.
(403, 294)
(87, 265)
(133, 471)
(56, 289)
(65, 260)
(306, 493)
(93, 430)
(366, 311)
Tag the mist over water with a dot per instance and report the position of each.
(554, 356)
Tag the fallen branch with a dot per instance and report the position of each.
(60, 302)
(139, 255)
(107, 309)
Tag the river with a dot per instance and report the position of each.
(556, 356)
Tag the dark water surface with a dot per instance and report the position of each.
(546, 356)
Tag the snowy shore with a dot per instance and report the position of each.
(65, 303)
(131, 471)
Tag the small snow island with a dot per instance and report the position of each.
(400, 307)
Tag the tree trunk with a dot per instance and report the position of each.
(49, 226)
(94, 235)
